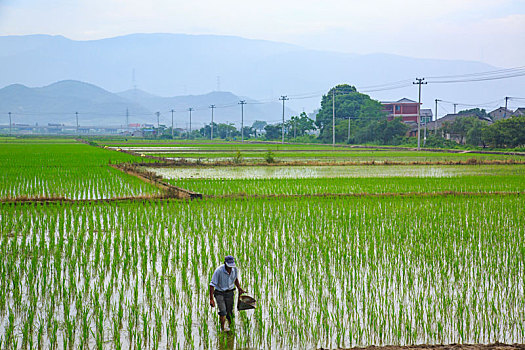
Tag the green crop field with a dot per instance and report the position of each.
(350, 156)
(207, 151)
(218, 187)
(330, 271)
(326, 272)
(70, 170)
(346, 179)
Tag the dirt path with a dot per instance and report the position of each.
(152, 178)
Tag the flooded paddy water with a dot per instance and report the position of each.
(292, 172)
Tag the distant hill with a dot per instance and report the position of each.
(178, 64)
(58, 102)
(226, 103)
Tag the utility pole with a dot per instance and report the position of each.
(348, 129)
(419, 81)
(158, 123)
(190, 110)
(333, 117)
(172, 111)
(76, 115)
(127, 119)
(283, 98)
(242, 103)
(212, 108)
(436, 121)
(10, 123)
(425, 133)
(505, 111)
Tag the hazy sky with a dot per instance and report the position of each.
(491, 31)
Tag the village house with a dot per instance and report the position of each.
(519, 112)
(500, 113)
(404, 108)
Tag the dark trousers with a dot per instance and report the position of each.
(224, 303)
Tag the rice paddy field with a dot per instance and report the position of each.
(210, 152)
(65, 169)
(220, 181)
(329, 271)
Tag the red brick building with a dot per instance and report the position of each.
(404, 108)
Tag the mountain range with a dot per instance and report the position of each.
(181, 65)
(59, 102)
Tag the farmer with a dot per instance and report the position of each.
(222, 287)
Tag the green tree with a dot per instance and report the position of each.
(461, 126)
(506, 133)
(300, 125)
(383, 131)
(349, 105)
(227, 131)
(480, 113)
(248, 132)
(259, 125)
(273, 131)
(475, 135)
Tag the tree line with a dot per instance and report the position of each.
(360, 119)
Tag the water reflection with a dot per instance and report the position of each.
(268, 172)
(226, 341)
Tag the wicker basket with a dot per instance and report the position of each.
(246, 302)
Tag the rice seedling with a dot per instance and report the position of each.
(75, 171)
(286, 186)
(327, 272)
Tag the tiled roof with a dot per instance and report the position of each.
(405, 100)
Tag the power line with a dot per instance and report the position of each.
(498, 71)
(490, 103)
